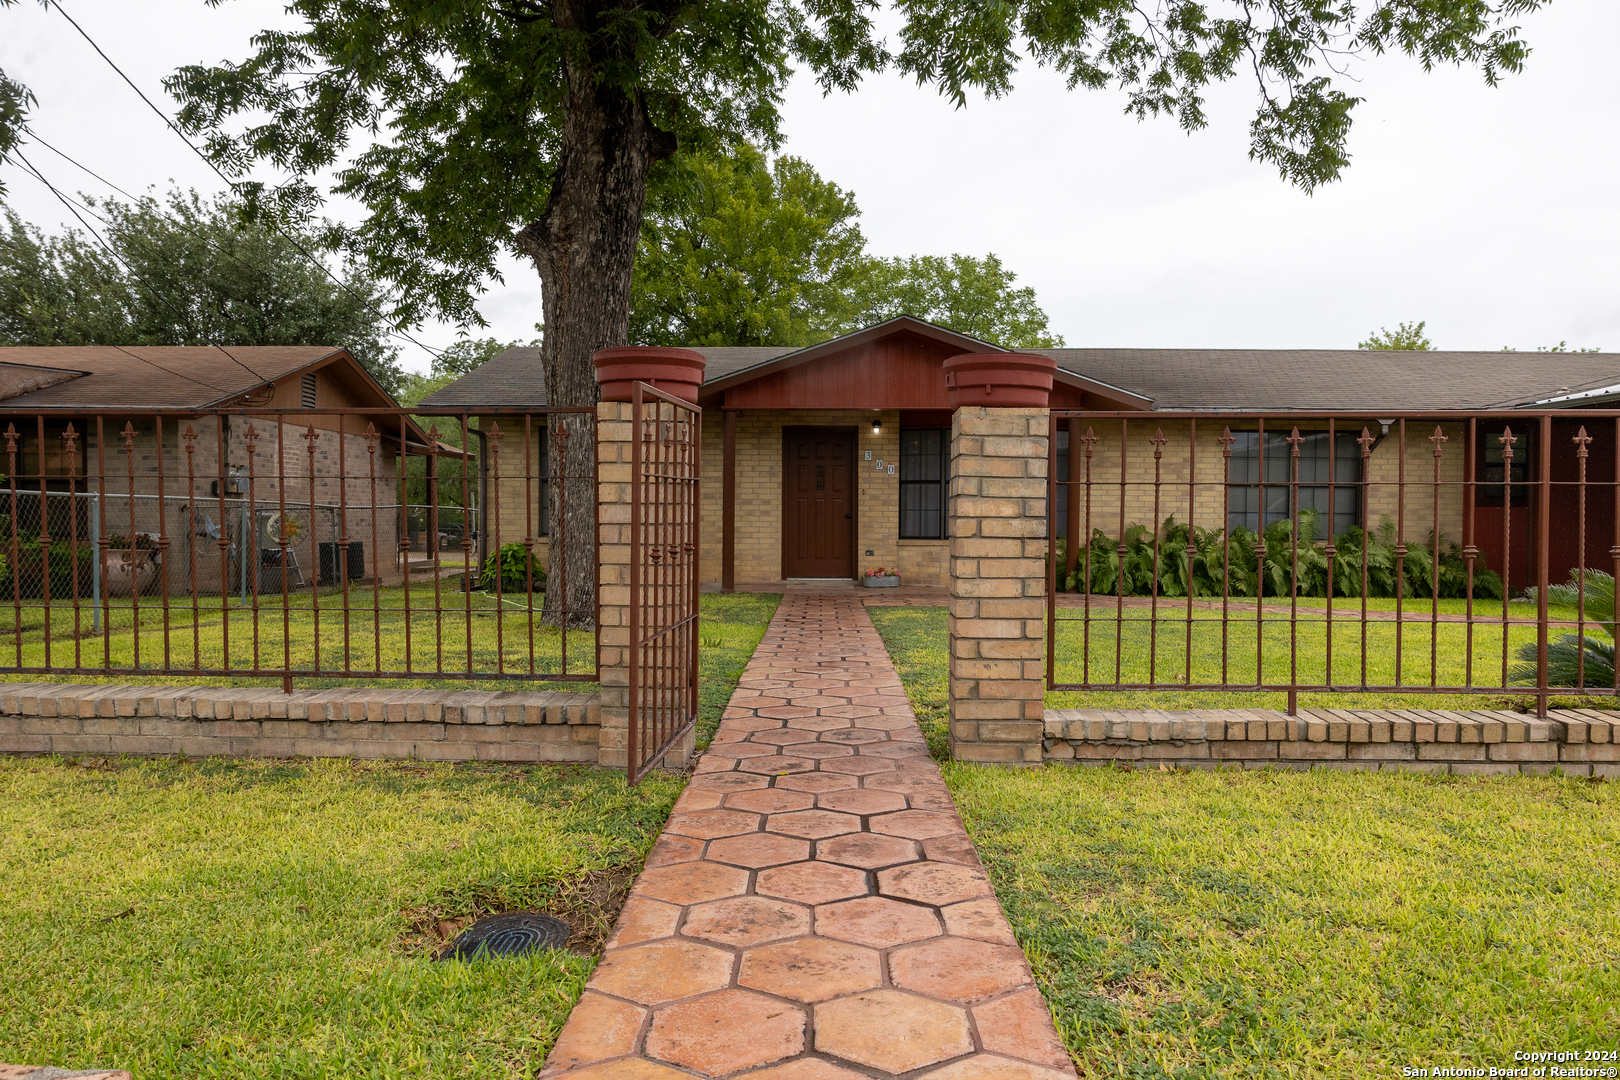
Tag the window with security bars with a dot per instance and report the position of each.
(1254, 507)
(923, 474)
(1492, 465)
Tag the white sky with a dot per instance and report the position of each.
(1489, 213)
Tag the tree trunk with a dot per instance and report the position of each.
(584, 246)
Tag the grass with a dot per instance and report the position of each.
(1273, 924)
(217, 918)
(1279, 924)
(732, 623)
(730, 627)
(917, 637)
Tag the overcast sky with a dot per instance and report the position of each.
(1489, 213)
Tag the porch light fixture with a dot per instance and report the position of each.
(877, 425)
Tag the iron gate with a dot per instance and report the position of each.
(666, 469)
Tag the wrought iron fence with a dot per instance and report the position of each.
(665, 518)
(299, 543)
(1412, 553)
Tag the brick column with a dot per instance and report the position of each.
(613, 431)
(998, 606)
(675, 371)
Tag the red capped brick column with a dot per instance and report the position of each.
(999, 440)
(678, 372)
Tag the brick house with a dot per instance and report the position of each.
(872, 412)
(203, 463)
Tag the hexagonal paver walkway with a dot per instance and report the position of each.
(814, 909)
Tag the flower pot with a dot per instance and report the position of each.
(677, 372)
(127, 571)
(890, 582)
(1000, 380)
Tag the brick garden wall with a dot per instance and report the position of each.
(1578, 742)
(430, 725)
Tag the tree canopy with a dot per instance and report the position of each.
(1406, 337)
(529, 125)
(736, 250)
(182, 271)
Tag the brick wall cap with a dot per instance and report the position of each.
(1000, 380)
(678, 372)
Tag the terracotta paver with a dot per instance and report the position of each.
(815, 910)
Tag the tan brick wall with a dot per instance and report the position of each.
(1575, 742)
(759, 489)
(279, 470)
(1207, 495)
(198, 721)
(514, 511)
(997, 606)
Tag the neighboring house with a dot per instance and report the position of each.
(879, 396)
(195, 491)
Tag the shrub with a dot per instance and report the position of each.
(1207, 562)
(512, 565)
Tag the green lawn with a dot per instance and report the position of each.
(730, 628)
(1280, 924)
(1274, 924)
(731, 625)
(918, 636)
(187, 919)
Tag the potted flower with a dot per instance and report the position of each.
(881, 577)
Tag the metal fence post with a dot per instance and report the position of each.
(95, 566)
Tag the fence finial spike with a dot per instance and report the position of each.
(1366, 440)
(11, 437)
(1226, 440)
(1294, 440)
(190, 438)
(1507, 439)
(1158, 442)
(310, 437)
(371, 437)
(1438, 438)
(129, 434)
(1582, 441)
(1088, 438)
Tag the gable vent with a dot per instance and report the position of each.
(309, 391)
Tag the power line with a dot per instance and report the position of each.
(41, 177)
(65, 201)
(233, 184)
(34, 135)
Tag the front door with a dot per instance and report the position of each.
(818, 502)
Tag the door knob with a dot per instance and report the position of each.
(848, 516)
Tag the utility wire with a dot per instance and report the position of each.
(65, 199)
(233, 184)
(109, 249)
(34, 135)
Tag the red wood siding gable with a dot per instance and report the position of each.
(900, 370)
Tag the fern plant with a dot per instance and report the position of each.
(1576, 659)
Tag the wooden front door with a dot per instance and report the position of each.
(818, 502)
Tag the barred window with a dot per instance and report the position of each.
(923, 475)
(1318, 463)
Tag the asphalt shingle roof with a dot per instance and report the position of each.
(1255, 379)
(145, 376)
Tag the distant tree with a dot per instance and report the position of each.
(184, 271)
(1406, 337)
(738, 251)
(460, 358)
(972, 296)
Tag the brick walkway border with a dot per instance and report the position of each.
(814, 909)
